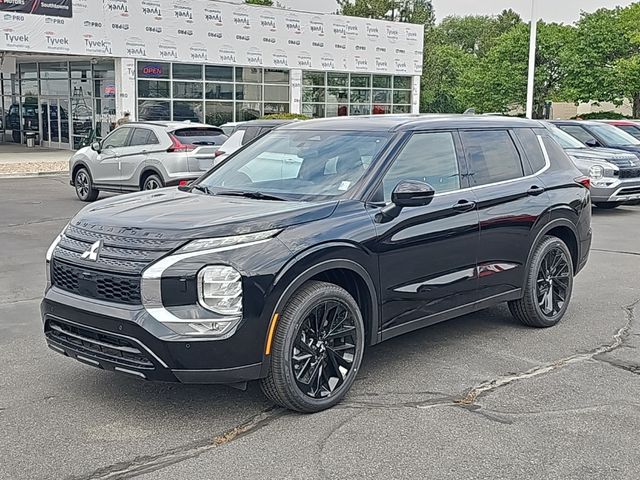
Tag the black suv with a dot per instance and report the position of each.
(318, 239)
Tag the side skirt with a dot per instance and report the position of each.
(449, 314)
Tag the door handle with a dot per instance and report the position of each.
(464, 206)
(535, 190)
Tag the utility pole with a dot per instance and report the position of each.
(532, 58)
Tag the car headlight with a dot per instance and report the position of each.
(49, 254)
(220, 290)
(596, 172)
(220, 242)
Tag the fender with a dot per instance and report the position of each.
(556, 222)
(290, 285)
(149, 168)
(76, 164)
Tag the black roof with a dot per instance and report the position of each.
(575, 122)
(412, 122)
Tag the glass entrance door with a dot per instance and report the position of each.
(55, 122)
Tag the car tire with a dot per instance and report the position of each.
(84, 185)
(152, 182)
(607, 205)
(313, 365)
(548, 285)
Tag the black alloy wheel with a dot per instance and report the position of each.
(317, 349)
(84, 187)
(548, 285)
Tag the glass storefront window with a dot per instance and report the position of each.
(402, 82)
(313, 110)
(219, 91)
(29, 87)
(219, 113)
(104, 69)
(81, 88)
(276, 93)
(313, 78)
(360, 110)
(153, 70)
(275, 108)
(402, 96)
(276, 76)
(58, 88)
(337, 95)
(382, 96)
(248, 92)
(154, 110)
(360, 96)
(187, 90)
(338, 79)
(184, 71)
(246, 111)
(313, 94)
(80, 69)
(188, 111)
(401, 108)
(153, 89)
(360, 80)
(248, 74)
(28, 70)
(382, 81)
(338, 110)
(220, 74)
(381, 109)
(54, 70)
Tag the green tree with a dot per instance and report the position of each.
(499, 80)
(265, 3)
(444, 66)
(607, 57)
(409, 11)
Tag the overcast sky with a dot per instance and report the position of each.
(566, 11)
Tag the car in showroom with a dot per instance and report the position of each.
(144, 156)
(381, 226)
(614, 174)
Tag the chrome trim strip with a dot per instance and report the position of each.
(82, 358)
(130, 372)
(135, 340)
(151, 287)
(56, 348)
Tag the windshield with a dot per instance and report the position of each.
(564, 139)
(614, 137)
(299, 164)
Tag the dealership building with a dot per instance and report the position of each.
(71, 68)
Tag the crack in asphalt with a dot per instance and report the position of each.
(35, 222)
(621, 252)
(148, 464)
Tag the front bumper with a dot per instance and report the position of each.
(619, 191)
(126, 339)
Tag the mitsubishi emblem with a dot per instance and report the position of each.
(93, 253)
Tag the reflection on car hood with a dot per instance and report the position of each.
(599, 153)
(184, 215)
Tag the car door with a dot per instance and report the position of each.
(142, 142)
(106, 171)
(512, 203)
(427, 254)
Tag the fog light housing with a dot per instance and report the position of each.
(220, 291)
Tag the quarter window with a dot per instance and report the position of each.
(531, 145)
(427, 157)
(117, 139)
(142, 136)
(492, 156)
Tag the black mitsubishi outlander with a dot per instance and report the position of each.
(321, 238)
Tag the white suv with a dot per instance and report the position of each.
(144, 156)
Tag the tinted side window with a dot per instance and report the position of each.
(117, 139)
(140, 136)
(631, 130)
(250, 134)
(427, 157)
(531, 145)
(492, 156)
(577, 132)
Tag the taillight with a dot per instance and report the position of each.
(217, 153)
(178, 146)
(584, 181)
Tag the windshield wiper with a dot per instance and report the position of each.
(202, 188)
(248, 194)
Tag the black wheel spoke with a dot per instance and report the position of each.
(552, 282)
(341, 333)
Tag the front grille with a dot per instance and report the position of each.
(629, 191)
(99, 345)
(96, 284)
(624, 161)
(629, 173)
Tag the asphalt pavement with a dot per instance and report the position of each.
(476, 397)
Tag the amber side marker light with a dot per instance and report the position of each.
(272, 330)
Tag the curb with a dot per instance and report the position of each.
(34, 174)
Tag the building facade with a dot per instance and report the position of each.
(71, 68)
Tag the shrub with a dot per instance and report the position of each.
(601, 116)
(285, 116)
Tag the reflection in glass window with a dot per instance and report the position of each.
(248, 74)
(219, 91)
(248, 92)
(187, 89)
(153, 89)
(360, 80)
(54, 70)
(313, 94)
(188, 111)
(276, 76)
(360, 110)
(184, 71)
(382, 81)
(360, 96)
(338, 79)
(313, 110)
(220, 74)
(54, 87)
(338, 110)
(313, 78)
(276, 93)
(402, 96)
(275, 108)
(154, 110)
(426, 157)
(492, 156)
(402, 82)
(219, 113)
(246, 111)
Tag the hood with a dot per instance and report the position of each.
(173, 214)
(596, 154)
(630, 148)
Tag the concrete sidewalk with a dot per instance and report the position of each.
(18, 160)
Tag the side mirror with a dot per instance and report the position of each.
(95, 146)
(592, 143)
(408, 193)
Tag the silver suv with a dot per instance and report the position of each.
(144, 156)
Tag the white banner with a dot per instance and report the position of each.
(205, 31)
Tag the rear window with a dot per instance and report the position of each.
(200, 136)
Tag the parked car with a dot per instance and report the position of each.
(144, 156)
(286, 274)
(629, 126)
(229, 127)
(243, 133)
(614, 174)
(599, 134)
